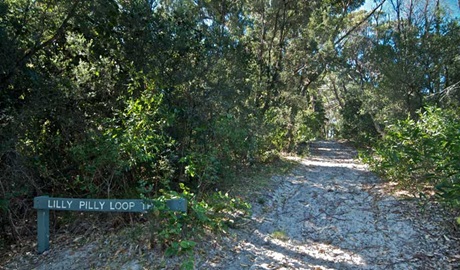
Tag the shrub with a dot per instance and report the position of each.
(176, 232)
(422, 152)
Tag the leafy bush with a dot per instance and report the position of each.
(175, 232)
(288, 128)
(99, 171)
(422, 152)
(139, 133)
(356, 125)
(221, 148)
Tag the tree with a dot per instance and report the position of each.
(397, 62)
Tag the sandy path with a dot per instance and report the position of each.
(332, 213)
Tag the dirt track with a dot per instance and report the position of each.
(332, 213)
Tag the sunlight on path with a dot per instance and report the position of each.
(331, 213)
(328, 163)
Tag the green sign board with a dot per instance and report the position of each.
(102, 205)
(44, 204)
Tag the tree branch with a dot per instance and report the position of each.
(29, 53)
(361, 22)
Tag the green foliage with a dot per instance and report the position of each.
(98, 97)
(175, 231)
(229, 146)
(449, 191)
(422, 152)
(288, 128)
(396, 63)
(139, 133)
(280, 235)
(100, 169)
(356, 124)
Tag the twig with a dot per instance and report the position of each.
(361, 22)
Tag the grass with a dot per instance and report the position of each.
(280, 235)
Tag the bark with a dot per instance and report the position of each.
(336, 94)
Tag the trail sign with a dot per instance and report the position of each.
(44, 204)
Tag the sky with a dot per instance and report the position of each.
(452, 6)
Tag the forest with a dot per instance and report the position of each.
(152, 98)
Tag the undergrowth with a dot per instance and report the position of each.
(422, 153)
(175, 232)
(215, 212)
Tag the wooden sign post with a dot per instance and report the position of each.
(44, 204)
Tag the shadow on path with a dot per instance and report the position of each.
(332, 213)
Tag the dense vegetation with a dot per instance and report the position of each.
(114, 99)
(423, 152)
